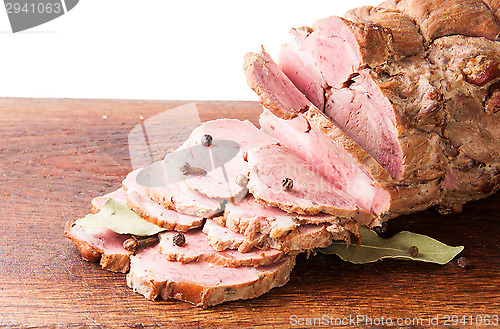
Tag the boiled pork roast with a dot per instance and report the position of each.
(408, 90)
(385, 111)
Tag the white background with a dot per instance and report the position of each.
(151, 49)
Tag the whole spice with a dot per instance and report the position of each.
(179, 239)
(287, 184)
(136, 243)
(242, 180)
(130, 244)
(462, 262)
(381, 229)
(187, 169)
(413, 251)
(206, 140)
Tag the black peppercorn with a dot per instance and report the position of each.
(179, 239)
(206, 140)
(287, 184)
(462, 262)
(413, 251)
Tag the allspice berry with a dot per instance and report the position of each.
(206, 140)
(179, 239)
(462, 262)
(287, 184)
(413, 251)
(381, 229)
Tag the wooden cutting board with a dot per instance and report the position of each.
(56, 155)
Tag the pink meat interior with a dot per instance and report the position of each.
(328, 159)
(367, 116)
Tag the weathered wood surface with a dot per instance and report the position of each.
(58, 154)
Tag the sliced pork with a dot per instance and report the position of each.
(304, 238)
(357, 101)
(157, 214)
(310, 194)
(332, 158)
(300, 68)
(223, 157)
(175, 195)
(138, 199)
(197, 248)
(338, 48)
(200, 283)
(316, 139)
(100, 245)
(272, 86)
(388, 110)
(98, 202)
(222, 238)
(371, 112)
(251, 218)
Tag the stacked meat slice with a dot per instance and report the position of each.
(234, 245)
(386, 111)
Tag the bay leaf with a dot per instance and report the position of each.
(374, 248)
(116, 216)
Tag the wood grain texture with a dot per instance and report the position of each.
(56, 155)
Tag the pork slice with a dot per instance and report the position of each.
(222, 238)
(407, 39)
(157, 214)
(311, 193)
(304, 238)
(98, 202)
(299, 67)
(332, 159)
(223, 159)
(364, 114)
(439, 18)
(200, 283)
(175, 196)
(100, 245)
(374, 115)
(313, 138)
(274, 89)
(197, 248)
(250, 218)
(331, 52)
(284, 230)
